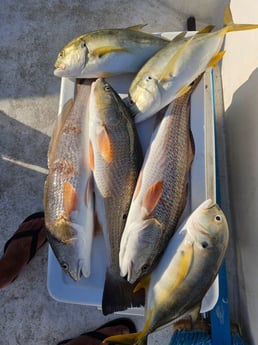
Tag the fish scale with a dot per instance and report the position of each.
(116, 163)
(68, 197)
(161, 192)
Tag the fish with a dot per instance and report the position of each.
(185, 272)
(116, 159)
(161, 192)
(107, 52)
(68, 190)
(168, 73)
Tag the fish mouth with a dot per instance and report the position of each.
(59, 69)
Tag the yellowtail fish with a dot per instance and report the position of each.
(68, 194)
(107, 52)
(161, 191)
(168, 74)
(184, 273)
(115, 161)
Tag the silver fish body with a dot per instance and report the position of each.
(168, 74)
(161, 191)
(108, 52)
(116, 160)
(185, 272)
(68, 195)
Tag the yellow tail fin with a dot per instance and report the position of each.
(126, 339)
(231, 26)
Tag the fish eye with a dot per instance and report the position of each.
(107, 88)
(218, 218)
(205, 244)
(65, 266)
(61, 54)
(145, 268)
(83, 44)
(148, 78)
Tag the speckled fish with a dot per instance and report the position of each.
(161, 191)
(68, 194)
(107, 52)
(185, 272)
(168, 74)
(115, 161)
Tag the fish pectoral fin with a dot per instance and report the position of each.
(172, 66)
(183, 264)
(101, 51)
(105, 144)
(90, 159)
(152, 197)
(89, 190)
(206, 29)
(137, 27)
(143, 283)
(216, 59)
(69, 199)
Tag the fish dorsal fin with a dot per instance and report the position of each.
(137, 27)
(60, 121)
(99, 52)
(216, 59)
(171, 68)
(143, 283)
(179, 36)
(152, 197)
(69, 198)
(105, 144)
(206, 29)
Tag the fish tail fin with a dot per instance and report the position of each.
(119, 294)
(231, 26)
(128, 339)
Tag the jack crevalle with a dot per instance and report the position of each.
(168, 74)
(108, 52)
(68, 194)
(184, 273)
(115, 162)
(161, 191)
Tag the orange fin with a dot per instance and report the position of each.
(138, 186)
(70, 198)
(105, 145)
(152, 197)
(91, 156)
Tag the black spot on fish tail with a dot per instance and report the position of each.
(118, 294)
